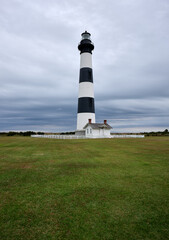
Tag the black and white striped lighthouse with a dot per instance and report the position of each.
(86, 109)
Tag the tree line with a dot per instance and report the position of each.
(27, 133)
(159, 133)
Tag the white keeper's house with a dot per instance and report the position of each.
(97, 130)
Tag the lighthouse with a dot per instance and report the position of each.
(86, 108)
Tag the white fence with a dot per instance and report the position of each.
(84, 137)
(127, 136)
(59, 136)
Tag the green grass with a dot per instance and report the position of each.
(115, 189)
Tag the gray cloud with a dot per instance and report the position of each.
(39, 63)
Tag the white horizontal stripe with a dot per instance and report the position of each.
(86, 60)
(86, 89)
(82, 119)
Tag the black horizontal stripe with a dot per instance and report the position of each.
(86, 104)
(86, 75)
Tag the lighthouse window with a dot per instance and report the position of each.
(85, 36)
(89, 75)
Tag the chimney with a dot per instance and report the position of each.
(90, 120)
(105, 121)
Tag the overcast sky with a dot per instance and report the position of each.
(39, 63)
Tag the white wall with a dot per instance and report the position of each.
(106, 132)
(97, 132)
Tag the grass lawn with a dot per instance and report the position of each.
(115, 189)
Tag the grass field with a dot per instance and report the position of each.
(115, 189)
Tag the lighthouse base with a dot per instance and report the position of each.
(83, 118)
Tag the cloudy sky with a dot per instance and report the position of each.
(39, 63)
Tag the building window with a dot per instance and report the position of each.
(87, 130)
(90, 131)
